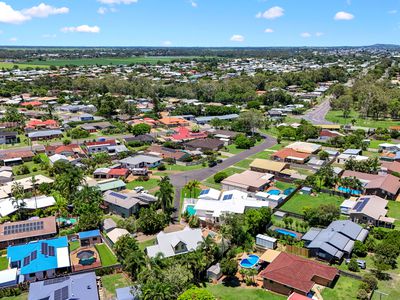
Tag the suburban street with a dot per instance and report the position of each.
(179, 180)
(317, 115)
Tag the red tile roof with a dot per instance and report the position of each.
(33, 103)
(297, 272)
(35, 123)
(107, 142)
(295, 296)
(286, 152)
(118, 172)
(183, 133)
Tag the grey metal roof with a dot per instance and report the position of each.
(134, 160)
(80, 286)
(44, 133)
(311, 234)
(346, 227)
(209, 118)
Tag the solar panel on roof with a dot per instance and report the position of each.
(44, 248)
(25, 227)
(51, 251)
(358, 204)
(204, 192)
(228, 197)
(362, 204)
(61, 294)
(56, 280)
(120, 196)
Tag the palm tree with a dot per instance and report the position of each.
(34, 188)
(61, 203)
(165, 194)
(18, 195)
(192, 185)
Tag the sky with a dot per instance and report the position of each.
(202, 23)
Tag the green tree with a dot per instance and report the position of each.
(252, 120)
(196, 293)
(229, 266)
(353, 265)
(192, 186)
(150, 221)
(165, 194)
(140, 129)
(87, 203)
(218, 177)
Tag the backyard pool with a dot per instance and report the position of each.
(348, 191)
(285, 232)
(288, 191)
(190, 209)
(250, 261)
(274, 192)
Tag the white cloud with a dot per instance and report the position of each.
(193, 3)
(237, 38)
(44, 10)
(111, 2)
(343, 16)
(392, 12)
(318, 34)
(166, 43)
(13, 39)
(269, 30)
(305, 34)
(102, 10)
(82, 28)
(11, 16)
(272, 13)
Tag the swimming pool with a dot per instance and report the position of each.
(250, 261)
(190, 209)
(274, 192)
(285, 232)
(71, 221)
(288, 191)
(348, 191)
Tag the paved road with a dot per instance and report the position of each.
(317, 115)
(179, 180)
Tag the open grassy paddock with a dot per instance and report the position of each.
(345, 288)
(336, 116)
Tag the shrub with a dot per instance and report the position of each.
(229, 266)
(161, 167)
(353, 266)
(370, 282)
(362, 294)
(360, 249)
(218, 177)
(143, 178)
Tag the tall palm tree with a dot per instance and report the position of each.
(18, 195)
(61, 203)
(192, 185)
(34, 182)
(165, 194)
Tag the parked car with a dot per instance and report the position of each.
(138, 189)
(361, 263)
(212, 164)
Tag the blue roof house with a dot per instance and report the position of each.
(80, 286)
(40, 259)
(89, 238)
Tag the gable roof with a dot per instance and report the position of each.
(386, 182)
(128, 200)
(296, 272)
(371, 206)
(248, 179)
(47, 227)
(290, 153)
(267, 164)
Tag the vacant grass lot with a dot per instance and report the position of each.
(106, 256)
(345, 289)
(300, 201)
(222, 292)
(148, 185)
(113, 282)
(337, 117)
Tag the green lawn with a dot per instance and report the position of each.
(23, 296)
(232, 149)
(113, 282)
(31, 165)
(394, 211)
(106, 256)
(144, 245)
(299, 201)
(222, 292)
(3, 263)
(184, 168)
(337, 117)
(390, 287)
(74, 245)
(345, 289)
(8, 65)
(283, 185)
(375, 143)
(245, 163)
(148, 185)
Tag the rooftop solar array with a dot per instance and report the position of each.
(61, 294)
(24, 227)
(228, 197)
(204, 192)
(55, 280)
(120, 196)
(361, 204)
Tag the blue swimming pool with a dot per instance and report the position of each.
(288, 191)
(190, 209)
(250, 261)
(274, 192)
(285, 232)
(348, 191)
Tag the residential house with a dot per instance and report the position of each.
(40, 259)
(89, 238)
(385, 186)
(207, 144)
(6, 189)
(371, 210)
(208, 119)
(44, 135)
(77, 286)
(334, 242)
(289, 155)
(8, 137)
(8, 207)
(140, 161)
(343, 158)
(185, 134)
(175, 243)
(109, 224)
(126, 204)
(304, 147)
(144, 138)
(168, 153)
(9, 278)
(268, 166)
(288, 273)
(6, 174)
(116, 233)
(35, 124)
(173, 122)
(15, 157)
(111, 185)
(390, 167)
(21, 232)
(247, 181)
(99, 146)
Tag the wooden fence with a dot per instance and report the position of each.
(297, 250)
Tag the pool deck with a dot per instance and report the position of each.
(76, 266)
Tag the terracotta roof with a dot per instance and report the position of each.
(33, 103)
(183, 133)
(391, 166)
(118, 172)
(297, 272)
(173, 121)
(288, 152)
(16, 154)
(387, 182)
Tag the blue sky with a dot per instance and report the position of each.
(199, 22)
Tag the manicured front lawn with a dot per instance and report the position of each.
(113, 282)
(375, 143)
(106, 256)
(74, 245)
(284, 185)
(222, 292)
(245, 163)
(345, 289)
(145, 244)
(184, 168)
(299, 201)
(394, 211)
(31, 166)
(147, 185)
(232, 149)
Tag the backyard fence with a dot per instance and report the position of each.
(276, 208)
(297, 250)
(351, 275)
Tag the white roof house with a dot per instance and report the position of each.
(209, 194)
(7, 207)
(57, 157)
(8, 277)
(116, 233)
(5, 190)
(175, 243)
(304, 147)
